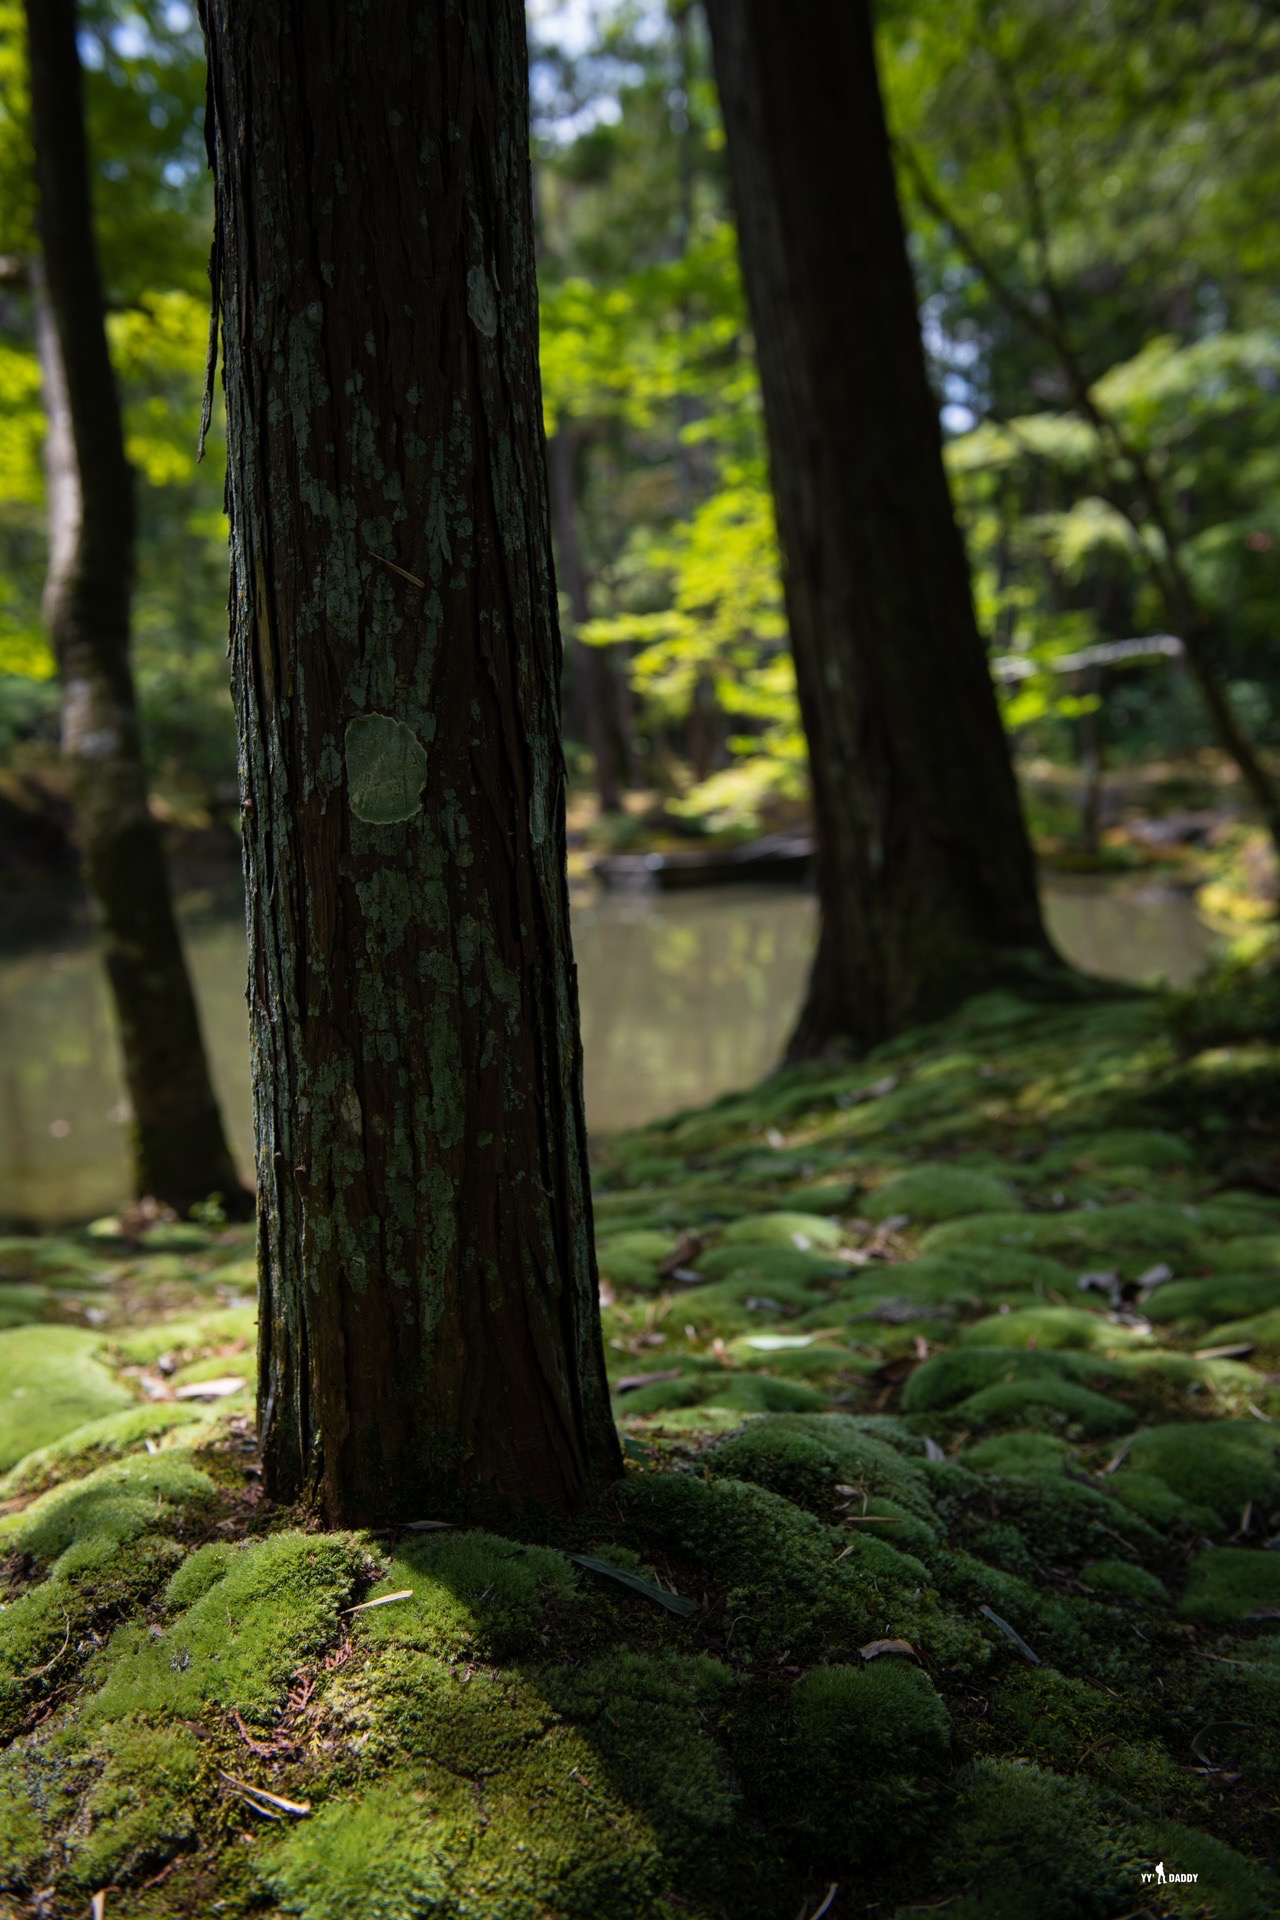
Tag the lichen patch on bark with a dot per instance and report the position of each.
(386, 766)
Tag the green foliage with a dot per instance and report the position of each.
(1106, 179)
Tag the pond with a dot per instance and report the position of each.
(683, 997)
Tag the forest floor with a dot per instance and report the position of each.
(944, 1576)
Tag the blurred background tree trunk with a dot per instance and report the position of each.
(925, 872)
(180, 1153)
(595, 683)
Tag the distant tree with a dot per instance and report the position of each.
(180, 1150)
(926, 877)
(429, 1324)
(597, 696)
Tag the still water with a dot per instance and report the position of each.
(683, 996)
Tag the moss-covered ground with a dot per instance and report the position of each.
(944, 1577)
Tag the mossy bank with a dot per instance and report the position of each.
(945, 1575)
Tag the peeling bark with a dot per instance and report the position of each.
(925, 873)
(429, 1335)
(180, 1153)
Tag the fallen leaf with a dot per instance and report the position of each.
(874, 1649)
(1236, 1352)
(210, 1389)
(780, 1342)
(630, 1381)
(98, 1905)
(1216, 1726)
(1154, 1276)
(253, 1794)
(673, 1602)
(832, 1890)
(384, 1600)
(932, 1451)
(1011, 1633)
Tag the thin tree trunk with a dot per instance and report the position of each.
(925, 872)
(179, 1150)
(593, 669)
(1128, 479)
(429, 1334)
(1091, 769)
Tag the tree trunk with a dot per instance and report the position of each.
(1090, 745)
(925, 873)
(593, 669)
(179, 1150)
(429, 1334)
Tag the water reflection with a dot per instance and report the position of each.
(683, 996)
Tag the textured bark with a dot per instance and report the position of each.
(593, 670)
(429, 1327)
(925, 873)
(179, 1150)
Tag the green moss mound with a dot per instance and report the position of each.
(472, 1594)
(633, 1259)
(142, 1809)
(51, 1381)
(1218, 1469)
(806, 1456)
(803, 1231)
(241, 1621)
(952, 1376)
(1025, 1844)
(915, 1596)
(1233, 1583)
(931, 1194)
(1128, 1235)
(1051, 1328)
(1205, 1303)
(98, 1440)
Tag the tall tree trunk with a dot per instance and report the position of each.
(180, 1153)
(593, 669)
(925, 872)
(429, 1329)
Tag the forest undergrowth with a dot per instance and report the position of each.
(944, 1576)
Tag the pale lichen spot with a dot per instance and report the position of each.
(386, 766)
(481, 303)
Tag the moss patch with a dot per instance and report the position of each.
(51, 1381)
(241, 1622)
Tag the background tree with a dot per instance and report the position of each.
(180, 1151)
(1097, 205)
(429, 1326)
(925, 874)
